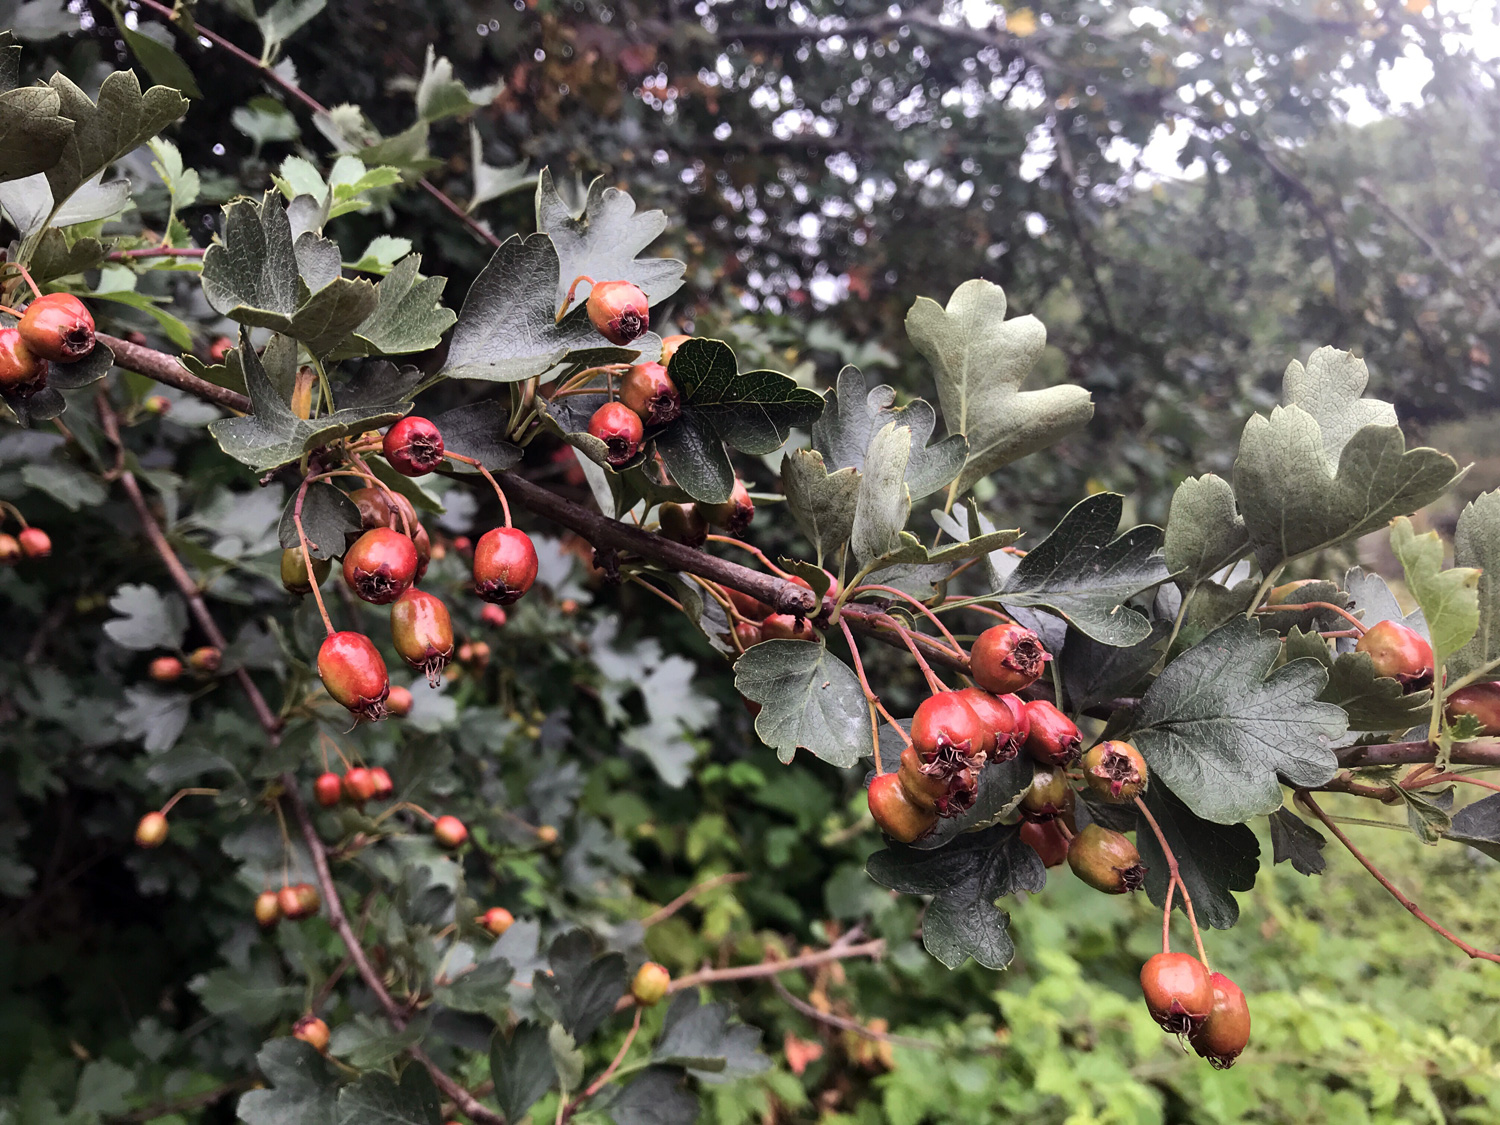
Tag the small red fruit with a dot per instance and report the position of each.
(165, 669)
(10, 550)
(546, 835)
(996, 720)
(328, 789)
(422, 631)
(1022, 717)
(651, 984)
(205, 661)
(746, 606)
(35, 543)
(1479, 700)
(946, 721)
(1116, 771)
(220, 348)
(492, 615)
(399, 701)
(384, 786)
(1053, 740)
(947, 785)
(1048, 796)
(1226, 1032)
(683, 523)
(649, 391)
(1178, 991)
(359, 785)
(151, 831)
(1106, 860)
(267, 909)
(1399, 653)
(413, 446)
(735, 514)
(308, 900)
(354, 674)
(312, 1031)
(381, 564)
(748, 633)
(670, 344)
(620, 429)
(1047, 840)
(474, 654)
(895, 813)
(449, 831)
(1006, 658)
(497, 920)
(785, 627)
(22, 372)
(618, 310)
(379, 508)
(294, 576)
(156, 404)
(505, 565)
(58, 327)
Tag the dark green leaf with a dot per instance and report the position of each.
(326, 319)
(695, 458)
(821, 502)
(965, 879)
(1375, 703)
(376, 1100)
(1000, 787)
(1214, 859)
(1095, 673)
(582, 989)
(1289, 617)
(478, 431)
(408, 316)
(1218, 731)
(506, 330)
(1205, 532)
(1428, 813)
(376, 382)
(148, 618)
(752, 412)
(883, 503)
(707, 1041)
(251, 275)
(810, 700)
(603, 242)
(1478, 825)
(33, 132)
(123, 119)
(154, 716)
(480, 989)
(1083, 573)
(522, 1069)
(162, 63)
(1476, 543)
(303, 1087)
(1294, 840)
(657, 1096)
(327, 516)
(80, 373)
(54, 257)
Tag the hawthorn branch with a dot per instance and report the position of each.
(1416, 911)
(688, 895)
(844, 1023)
(169, 370)
(1480, 752)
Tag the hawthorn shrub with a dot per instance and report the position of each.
(376, 619)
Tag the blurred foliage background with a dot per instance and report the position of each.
(1188, 195)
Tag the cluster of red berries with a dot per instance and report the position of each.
(648, 399)
(1209, 1008)
(373, 783)
(203, 661)
(28, 543)
(294, 902)
(56, 328)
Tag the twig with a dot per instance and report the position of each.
(835, 952)
(688, 895)
(1481, 752)
(1174, 879)
(566, 1111)
(169, 370)
(958, 648)
(843, 1023)
(1312, 806)
(157, 252)
(193, 1101)
(933, 682)
(1298, 607)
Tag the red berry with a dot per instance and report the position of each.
(399, 701)
(384, 786)
(946, 721)
(35, 543)
(1048, 796)
(749, 634)
(58, 327)
(156, 404)
(449, 831)
(946, 785)
(379, 508)
(1226, 1032)
(205, 660)
(294, 576)
(354, 674)
(492, 615)
(359, 785)
(831, 592)
(422, 632)
(1106, 860)
(474, 654)
(785, 627)
(21, 371)
(546, 834)
(894, 811)
(151, 831)
(649, 391)
(312, 1031)
(1021, 716)
(413, 446)
(328, 789)
(735, 514)
(620, 429)
(670, 344)
(423, 543)
(746, 606)
(1054, 739)
(1480, 700)
(505, 565)
(619, 311)
(10, 550)
(381, 564)
(1178, 991)
(308, 900)
(220, 348)
(267, 909)
(650, 984)
(996, 720)
(1047, 840)
(1399, 653)
(165, 669)
(1006, 658)
(289, 902)
(683, 523)
(1280, 595)
(1116, 771)
(497, 920)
